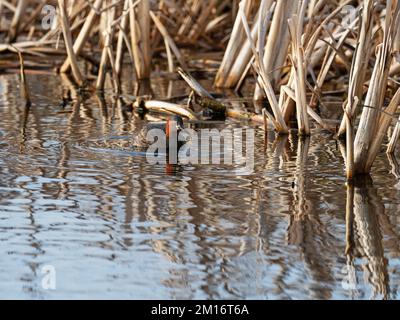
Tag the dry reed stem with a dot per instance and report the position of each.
(170, 58)
(365, 153)
(17, 18)
(119, 56)
(30, 20)
(68, 44)
(331, 53)
(189, 19)
(1, 12)
(83, 34)
(140, 38)
(235, 43)
(206, 100)
(106, 56)
(394, 139)
(360, 60)
(256, 118)
(286, 103)
(396, 47)
(280, 124)
(194, 84)
(299, 68)
(25, 92)
(199, 26)
(395, 69)
(168, 39)
(370, 116)
(291, 94)
(243, 57)
(350, 139)
(162, 106)
(314, 37)
(384, 123)
(357, 75)
(8, 5)
(276, 49)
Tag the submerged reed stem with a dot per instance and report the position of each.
(25, 92)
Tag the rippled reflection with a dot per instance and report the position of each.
(73, 195)
(364, 235)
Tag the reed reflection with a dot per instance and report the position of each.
(24, 123)
(305, 230)
(363, 234)
(189, 231)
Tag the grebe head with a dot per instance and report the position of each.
(176, 121)
(179, 123)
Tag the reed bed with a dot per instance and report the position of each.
(292, 52)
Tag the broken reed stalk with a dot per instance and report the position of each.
(205, 99)
(194, 84)
(161, 106)
(140, 38)
(68, 44)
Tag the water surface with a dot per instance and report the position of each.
(114, 226)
